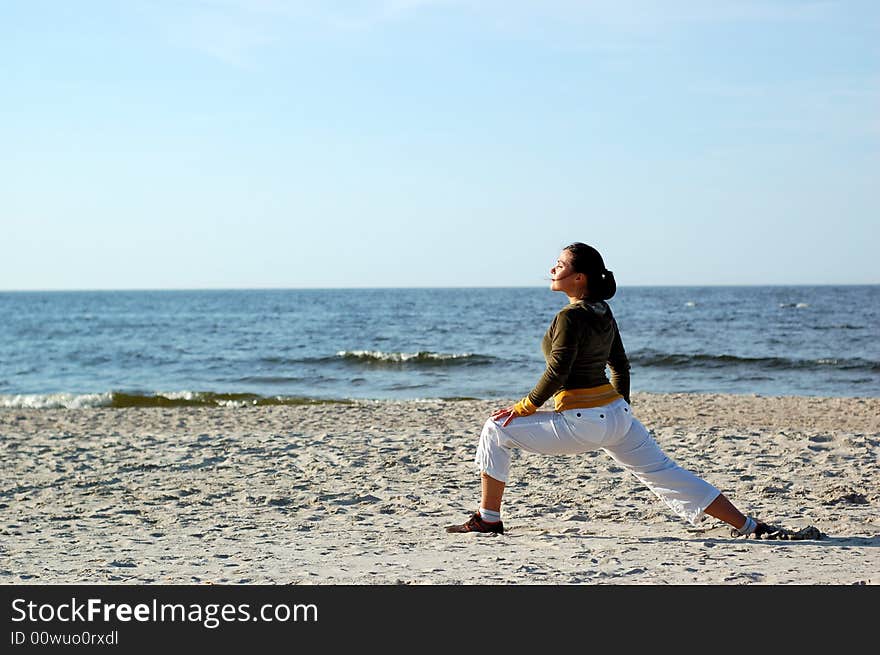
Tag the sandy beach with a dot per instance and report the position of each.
(359, 494)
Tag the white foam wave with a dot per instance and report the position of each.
(56, 401)
(400, 357)
(201, 396)
(179, 395)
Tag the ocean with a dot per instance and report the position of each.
(253, 347)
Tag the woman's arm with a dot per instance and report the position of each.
(618, 363)
(565, 336)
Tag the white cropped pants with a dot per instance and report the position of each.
(611, 428)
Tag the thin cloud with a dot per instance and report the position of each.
(818, 106)
(237, 30)
(232, 31)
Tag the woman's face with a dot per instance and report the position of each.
(564, 278)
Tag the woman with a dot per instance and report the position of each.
(591, 412)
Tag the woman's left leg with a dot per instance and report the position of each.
(544, 432)
(491, 491)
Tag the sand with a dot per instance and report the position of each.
(359, 494)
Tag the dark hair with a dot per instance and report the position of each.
(600, 281)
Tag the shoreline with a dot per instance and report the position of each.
(217, 399)
(358, 493)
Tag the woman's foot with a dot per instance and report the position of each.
(477, 524)
(755, 529)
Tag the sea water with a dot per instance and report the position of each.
(133, 348)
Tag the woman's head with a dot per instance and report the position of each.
(586, 260)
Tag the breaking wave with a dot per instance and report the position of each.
(672, 360)
(119, 399)
(421, 358)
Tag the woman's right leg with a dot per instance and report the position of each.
(722, 509)
(685, 493)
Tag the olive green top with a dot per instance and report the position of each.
(582, 339)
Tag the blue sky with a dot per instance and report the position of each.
(235, 144)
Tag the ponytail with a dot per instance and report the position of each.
(587, 260)
(601, 286)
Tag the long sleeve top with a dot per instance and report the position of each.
(582, 340)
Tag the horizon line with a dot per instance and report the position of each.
(430, 287)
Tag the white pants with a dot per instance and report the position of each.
(611, 428)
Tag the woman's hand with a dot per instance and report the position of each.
(523, 408)
(504, 413)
